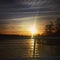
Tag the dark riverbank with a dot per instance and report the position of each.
(5, 36)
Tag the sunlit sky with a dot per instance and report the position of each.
(18, 16)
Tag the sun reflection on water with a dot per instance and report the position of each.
(33, 46)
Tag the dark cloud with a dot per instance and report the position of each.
(56, 1)
(25, 8)
(13, 4)
(7, 1)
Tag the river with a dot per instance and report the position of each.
(26, 48)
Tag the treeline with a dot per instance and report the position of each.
(53, 28)
(7, 37)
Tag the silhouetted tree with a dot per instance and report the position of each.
(57, 25)
(49, 28)
(53, 28)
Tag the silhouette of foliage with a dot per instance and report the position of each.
(53, 28)
(57, 25)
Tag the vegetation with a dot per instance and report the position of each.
(53, 28)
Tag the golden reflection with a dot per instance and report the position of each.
(33, 46)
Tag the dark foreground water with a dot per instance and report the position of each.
(26, 49)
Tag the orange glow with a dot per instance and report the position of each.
(30, 31)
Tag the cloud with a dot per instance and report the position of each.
(26, 8)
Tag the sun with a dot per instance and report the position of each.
(33, 30)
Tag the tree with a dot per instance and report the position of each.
(53, 27)
(49, 28)
(57, 25)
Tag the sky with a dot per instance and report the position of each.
(17, 16)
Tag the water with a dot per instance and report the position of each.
(26, 48)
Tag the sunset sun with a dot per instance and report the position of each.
(33, 30)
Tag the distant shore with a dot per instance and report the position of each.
(7, 36)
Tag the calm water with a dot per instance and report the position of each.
(25, 48)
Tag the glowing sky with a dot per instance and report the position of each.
(16, 16)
